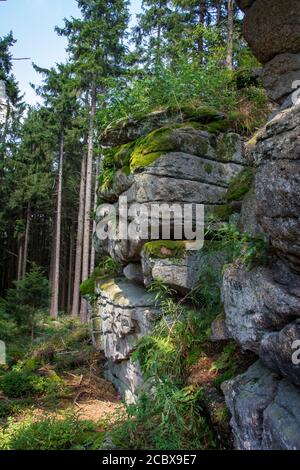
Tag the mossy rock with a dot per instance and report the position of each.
(226, 147)
(240, 185)
(150, 148)
(179, 138)
(165, 249)
(202, 114)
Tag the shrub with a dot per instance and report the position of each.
(51, 433)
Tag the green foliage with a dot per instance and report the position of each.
(108, 266)
(23, 381)
(50, 433)
(251, 251)
(30, 294)
(240, 185)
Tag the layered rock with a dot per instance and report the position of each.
(125, 313)
(177, 266)
(174, 165)
(262, 305)
(265, 410)
(182, 162)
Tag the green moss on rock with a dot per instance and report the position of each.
(203, 114)
(165, 249)
(226, 146)
(149, 148)
(240, 185)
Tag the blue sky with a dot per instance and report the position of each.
(33, 22)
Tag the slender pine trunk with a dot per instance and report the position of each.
(20, 259)
(229, 57)
(79, 240)
(55, 283)
(70, 271)
(93, 252)
(88, 200)
(26, 240)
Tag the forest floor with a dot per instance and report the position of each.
(53, 394)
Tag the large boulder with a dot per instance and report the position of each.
(277, 184)
(276, 351)
(272, 27)
(265, 410)
(261, 306)
(280, 74)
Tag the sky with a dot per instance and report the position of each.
(32, 23)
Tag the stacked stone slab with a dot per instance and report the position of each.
(262, 306)
(169, 159)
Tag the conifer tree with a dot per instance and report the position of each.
(96, 46)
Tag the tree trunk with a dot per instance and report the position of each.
(20, 259)
(70, 273)
(93, 253)
(79, 239)
(55, 283)
(26, 241)
(88, 200)
(229, 58)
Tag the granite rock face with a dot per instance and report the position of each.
(180, 165)
(265, 410)
(130, 129)
(278, 184)
(280, 74)
(261, 306)
(125, 313)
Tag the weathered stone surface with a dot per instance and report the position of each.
(281, 425)
(276, 153)
(248, 222)
(133, 272)
(184, 166)
(276, 351)
(258, 302)
(247, 396)
(219, 331)
(279, 75)
(272, 27)
(265, 410)
(127, 377)
(200, 172)
(125, 313)
(121, 183)
(261, 306)
(181, 272)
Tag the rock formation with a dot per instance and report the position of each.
(262, 306)
(190, 157)
(160, 159)
(272, 30)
